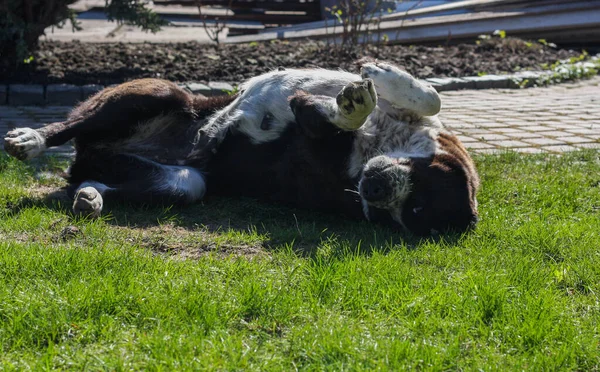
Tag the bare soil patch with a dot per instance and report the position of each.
(111, 63)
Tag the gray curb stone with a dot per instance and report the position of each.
(26, 94)
(198, 88)
(220, 88)
(63, 94)
(445, 84)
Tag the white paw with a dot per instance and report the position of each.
(357, 100)
(88, 202)
(24, 143)
(402, 89)
(380, 71)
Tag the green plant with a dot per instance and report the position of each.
(572, 69)
(22, 22)
(355, 18)
(500, 33)
(214, 31)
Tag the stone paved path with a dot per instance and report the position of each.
(555, 119)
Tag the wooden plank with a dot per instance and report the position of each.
(462, 25)
(270, 5)
(535, 24)
(460, 5)
(466, 5)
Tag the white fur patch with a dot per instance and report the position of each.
(183, 180)
(268, 95)
(384, 134)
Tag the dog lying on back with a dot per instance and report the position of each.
(367, 145)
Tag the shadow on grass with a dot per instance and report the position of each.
(304, 231)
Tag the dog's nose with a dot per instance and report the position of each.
(374, 189)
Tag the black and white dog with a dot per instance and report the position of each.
(369, 146)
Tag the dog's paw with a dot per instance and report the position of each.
(24, 143)
(357, 100)
(371, 70)
(88, 202)
(401, 89)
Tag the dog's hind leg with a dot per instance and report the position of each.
(88, 200)
(347, 112)
(24, 143)
(131, 179)
(110, 114)
(401, 89)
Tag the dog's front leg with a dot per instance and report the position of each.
(319, 116)
(401, 89)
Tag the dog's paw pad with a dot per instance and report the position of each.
(88, 202)
(24, 143)
(357, 100)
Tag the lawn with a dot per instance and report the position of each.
(239, 285)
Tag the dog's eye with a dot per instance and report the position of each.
(417, 210)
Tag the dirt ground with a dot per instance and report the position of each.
(110, 63)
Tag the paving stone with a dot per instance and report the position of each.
(559, 148)
(563, 125)
(63, 94)
(588, 145)
(543, 141)
(89, 90)
(489, 151)
(3, 94)
(530, 150)
(509, 143)
(466, 139)
(478, 145)
(491, 137)
(536, 128)
(575, 139)
(522, 134)
(506, 130)
(584, 131)
(26, 94)
(475, 131)
(490, 124)
(552, 133)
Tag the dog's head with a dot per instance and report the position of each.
(424, 195)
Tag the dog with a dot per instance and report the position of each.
(369, 146)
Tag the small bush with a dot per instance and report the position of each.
(22, 22)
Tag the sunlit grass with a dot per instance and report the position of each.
(236, 284)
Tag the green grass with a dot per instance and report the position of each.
(238, 285)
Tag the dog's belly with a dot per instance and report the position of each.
(289, 170)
